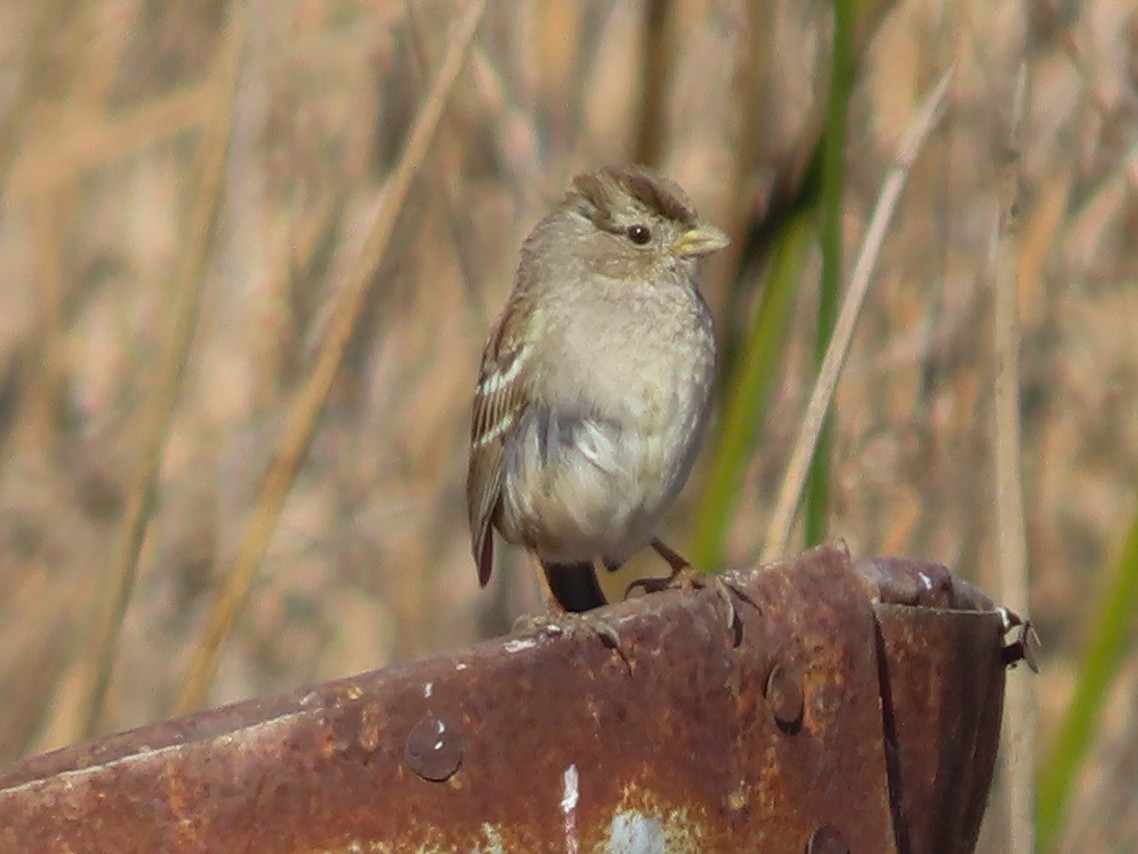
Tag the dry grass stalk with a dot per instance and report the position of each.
(790, 492)
(1019, 709)
(156, 414)
(51, 18)
(306, 407)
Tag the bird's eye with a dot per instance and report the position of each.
(639, 234)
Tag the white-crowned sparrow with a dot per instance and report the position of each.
(595, 382)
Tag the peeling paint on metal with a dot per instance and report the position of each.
(494, 841)
(570, 795)
(635, 833)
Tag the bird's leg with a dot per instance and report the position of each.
(684, 578)
(560, 622)
(553, 609)
(676, 561)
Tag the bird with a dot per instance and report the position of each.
(595, 383)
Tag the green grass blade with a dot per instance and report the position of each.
(1105, 651)
(747, 390)
(817, 504)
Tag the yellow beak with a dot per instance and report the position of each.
(699, 241)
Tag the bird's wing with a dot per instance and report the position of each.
(499, 403)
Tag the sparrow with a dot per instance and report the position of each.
(595, 383)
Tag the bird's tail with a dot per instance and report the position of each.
(574, 585)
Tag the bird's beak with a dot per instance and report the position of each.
(699, 241)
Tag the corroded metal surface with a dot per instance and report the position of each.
(840, 722)
(941, 717)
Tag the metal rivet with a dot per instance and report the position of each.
(433, 749)
(827, 839)
(784, 696)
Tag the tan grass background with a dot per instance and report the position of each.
(102, 105)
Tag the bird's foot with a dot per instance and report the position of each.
(687, 580)
(568, 624)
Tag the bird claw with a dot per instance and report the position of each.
(686, 580)
(568, 624)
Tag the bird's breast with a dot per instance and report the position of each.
(621, 397)
(646, 361)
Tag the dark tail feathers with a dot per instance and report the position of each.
(574, 585)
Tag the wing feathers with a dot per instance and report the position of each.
(499, 401)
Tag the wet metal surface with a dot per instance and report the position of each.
(859, 712)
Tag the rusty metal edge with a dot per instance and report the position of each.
(768, 744)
